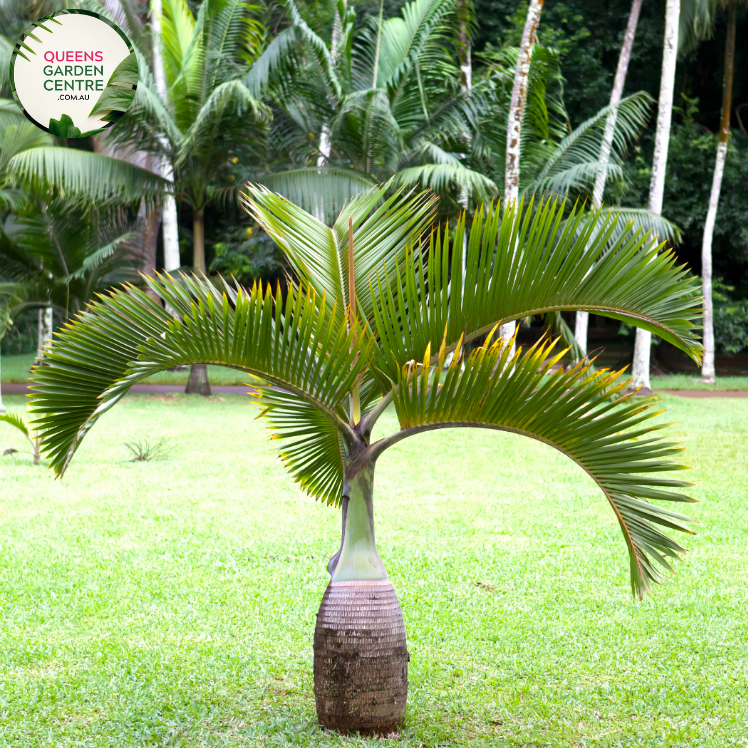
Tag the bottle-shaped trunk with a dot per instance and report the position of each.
(360, 651)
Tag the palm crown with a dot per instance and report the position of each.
(327, 372)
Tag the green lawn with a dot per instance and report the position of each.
(16, 369)
(172, 603)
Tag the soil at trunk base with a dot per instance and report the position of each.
(198, 383)
(360, 658)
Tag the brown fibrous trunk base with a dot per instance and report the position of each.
(360, 658)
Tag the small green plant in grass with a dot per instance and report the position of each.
(16, 420)
(145, 450)
(383, 299)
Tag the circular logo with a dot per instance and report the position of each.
(74, 73)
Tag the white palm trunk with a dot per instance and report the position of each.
(643, 344)
(44, 334)
(708, 372)
(514, 126)
(169, 220)
(325, 136)
(582, 320)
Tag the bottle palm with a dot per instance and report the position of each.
(381, 301)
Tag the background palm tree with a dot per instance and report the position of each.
(643, 345)
(697, 22)
(379, 306)
(582, 318)
(63, 257)
(12, 296)
(200, 124)
(386, 102)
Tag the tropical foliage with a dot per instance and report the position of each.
(318, 363)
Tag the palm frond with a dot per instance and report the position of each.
(382, 228)
(16, 420)
(322, 191)
(444, 176)
(571, 411)
(405, 39)
(530, 262)
(311, 447)
(318, 47)
(126, 336)
(575, 161)
(640, 220)
(231, 99)
(87, 177)
(273, 59)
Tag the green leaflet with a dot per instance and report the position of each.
(14, 419)
(119, 92)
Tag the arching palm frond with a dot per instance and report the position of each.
(86, 177)
(570, 410)
(558, 266)
(227, 101)
(274, 58)
(404, 39)
(126, 336)
(574, 163)
(319, 190)
(641, 220)
(441, 177)
(317, 45)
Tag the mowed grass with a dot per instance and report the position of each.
(172, 602)
(17, 369)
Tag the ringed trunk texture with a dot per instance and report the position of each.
(514, 125)
(583, 318)
(707, 370)
(360, 649)
(642, 349)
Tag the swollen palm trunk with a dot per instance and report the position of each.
(360, 651)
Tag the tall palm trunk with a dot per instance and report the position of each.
(325, 136)
(360, 650)
(707, 369)
(516, 113)
(642, 348)
(582, 321)
(44, 329)
(198, 383)
(169, 220)
(466, 82)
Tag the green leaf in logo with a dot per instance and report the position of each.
(64, 127)
(119, 92)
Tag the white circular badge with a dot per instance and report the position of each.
(74, 73)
